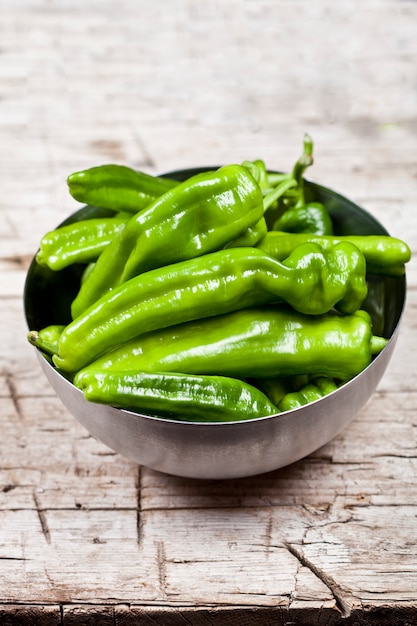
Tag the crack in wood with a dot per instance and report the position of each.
(48, 577)
(268, 536)
(13, 395)
(42, 519)
(8, 487)
(336, 590)
(161, 561)
(139, 506)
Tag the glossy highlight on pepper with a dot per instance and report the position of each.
(384, 254)
(310, 280)
(255, 342)
(199, 216)
(176, 396)
(117, 187)
(191, 306)
(80, 242)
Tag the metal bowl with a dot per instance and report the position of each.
(230, 449)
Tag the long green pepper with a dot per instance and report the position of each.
(117, 187)
(79, 242)
(384, 254)
(176, 396)
(310, 280)
(198, 216)
(253, 343)
(310, 392)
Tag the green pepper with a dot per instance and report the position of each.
(257, 343)
(117, 187)
(384, 254)
(198, 216)
(309, 218)
(258, 170)
(253, 235)
(47, 338)
(274, 388)
(271, 194)
(175, 395)
(79, 242)
(309, 280)
(314, 390)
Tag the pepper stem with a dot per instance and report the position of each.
(305, 160)
(279, 191)
(274, 178)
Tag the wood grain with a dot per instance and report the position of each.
(89, 537)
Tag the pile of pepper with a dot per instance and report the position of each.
(223, 297)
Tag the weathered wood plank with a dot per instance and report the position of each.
(87, 536)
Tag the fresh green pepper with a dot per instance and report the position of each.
(257, 343)
(198, 216)
(277, 387)
(271, 194)
(258, 170)
(253, 235)
(176, 396)
(309, 280)
(47, 338)
(117, 187)
(273, 387)
(79, 242)
(314, 390)
(309, 218)
(384, 254)
(87, 270)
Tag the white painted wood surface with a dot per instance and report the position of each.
(85, 535)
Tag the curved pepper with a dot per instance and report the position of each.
(117, 187)
(310, 218)
(314, 390)
(223, 281)
(176, 396)
(274, 388)
(256, 343)
(198, 216)
(258, 170)
(271, 194)
(384, 254)
(79, 242)
(47, 338)
(253, 235)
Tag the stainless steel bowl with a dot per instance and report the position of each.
(233, 449)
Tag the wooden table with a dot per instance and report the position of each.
(87, 537)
